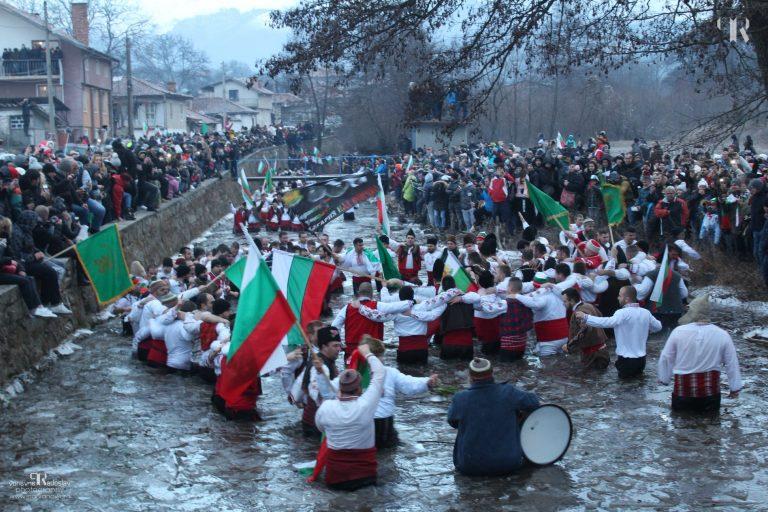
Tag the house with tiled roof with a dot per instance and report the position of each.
(254, 96)
(234, 115)
(82, 75)
(156, 108)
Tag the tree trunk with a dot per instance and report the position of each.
(757, 14)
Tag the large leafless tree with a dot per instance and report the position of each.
(478, 43)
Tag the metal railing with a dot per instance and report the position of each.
(27, 68)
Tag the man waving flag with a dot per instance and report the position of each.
(264, 317)
(381, 206)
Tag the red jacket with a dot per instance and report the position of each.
(498, 189)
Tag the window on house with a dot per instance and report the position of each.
(17, 122)
(234, 95)
(86, 100)
(151, 112)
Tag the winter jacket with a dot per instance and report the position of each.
(498, 189)
(671, 215)
(467, 197)
(488, 438)
(440, 195)
(756, 203)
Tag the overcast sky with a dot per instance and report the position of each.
(166, 12)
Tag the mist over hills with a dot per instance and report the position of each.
(230, 34)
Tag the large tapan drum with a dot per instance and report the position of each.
(545, 434)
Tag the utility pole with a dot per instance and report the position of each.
(49, 77)
(129, 84)
(224, 95)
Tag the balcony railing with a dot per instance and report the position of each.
(25, 68)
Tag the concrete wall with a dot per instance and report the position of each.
(154, 237)
(24, 341)
(429, 135)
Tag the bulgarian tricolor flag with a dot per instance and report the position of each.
(560, 141)
(304, 283)
(263, 319)
(453, 268)
(245, 189)
(663, 279)
(356, 362)
(381, 206)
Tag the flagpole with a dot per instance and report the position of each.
(358, 274)
(49, 258)
(610, 230)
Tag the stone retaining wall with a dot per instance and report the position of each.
(153, 236)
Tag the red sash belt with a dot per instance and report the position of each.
(433, 327)
(418, 342)
(158, 353)
(591, 350)
(409, 274)
(358, 279)
(551, 330)
(697, 385)
(458, 338)
(309, 411)
(487, 329)
(337, 284)
(514, 343)
(353, 464)
(430, 278)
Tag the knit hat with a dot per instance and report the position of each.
(539, 278)
(155, 284)
(327, 335)
(411, 233)
(431, 240)
(480, 369)
(480, 237)
(698, 310)
(590, 247)
(349, 381)
(702, 183)
(757, 184)
(168, 298)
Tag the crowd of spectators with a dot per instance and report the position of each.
(29, 61)
(50, 199)
(716, 198)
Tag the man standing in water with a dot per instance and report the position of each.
(349, 428)
(488, 441)
(631, 325)
(693, 356)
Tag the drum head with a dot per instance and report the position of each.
(546, 434)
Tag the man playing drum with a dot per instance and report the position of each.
(488, 441)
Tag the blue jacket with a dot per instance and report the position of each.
(488, 441)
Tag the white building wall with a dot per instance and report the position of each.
(15, 32)
(429, 135)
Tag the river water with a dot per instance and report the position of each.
(118, 435)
